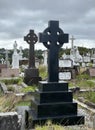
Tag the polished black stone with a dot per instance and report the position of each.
(54, 109)
(31, 120)
(53, 86)
(31, 39)
(52, 101)
(53, 38)
(31, 74)
(53, 96)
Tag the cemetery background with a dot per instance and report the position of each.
(87, 83)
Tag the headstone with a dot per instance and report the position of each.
(32, 73)
(91, 72)
(65, 67)
(15, 57)
(20, 53)
(6, 58)
(86, 59)
(93, 63)
(75, 56)
(72, 41)
(83, 64)
(10, 121)
(53, 101)
(2, 61)
(64, 56)
(45, 55)
(64, 75)
(66, 63)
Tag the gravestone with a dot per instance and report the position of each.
(65, 69)
(65, 75)
(20, 53)
(91, 72)
(15, 57)
(2, 60)
(53, 101)
(45, 62)
(31, 73)
(66, 63)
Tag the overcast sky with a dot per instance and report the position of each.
(17, 17)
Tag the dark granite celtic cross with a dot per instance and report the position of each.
(31, 39)
(53, 38)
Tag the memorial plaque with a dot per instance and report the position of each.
(65, 75)
(66, 63)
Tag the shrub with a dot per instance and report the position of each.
(83, 77)
(43, 72)
(11, 88)
(90, 96)
(12, 81)
(29, 89)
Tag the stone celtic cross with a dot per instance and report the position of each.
(53, 38)
(31, 39)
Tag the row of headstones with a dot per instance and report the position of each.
(75, 57)
(15, 57)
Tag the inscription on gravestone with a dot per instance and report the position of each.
(53, 38)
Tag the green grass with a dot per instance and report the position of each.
(24, 103)
(88, 96)
(43, 72)
(8, 102)
(82, 77)
(82, 81)
(86, 84)
(49, 126)
(11, 88)
(29, 89)
(12, 81)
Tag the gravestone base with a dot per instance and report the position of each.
(53, 101)
(31, 76)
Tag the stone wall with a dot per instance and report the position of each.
(9, 121)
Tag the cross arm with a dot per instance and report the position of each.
(63, 38)
(43, 37)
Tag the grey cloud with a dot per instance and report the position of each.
(77, 17)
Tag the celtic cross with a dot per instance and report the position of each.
(53, 38)
(31, 39)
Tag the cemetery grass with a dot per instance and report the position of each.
(29, 89)
(50, 126)
(12, 81)
(83, 81)
(86, 97)
(10, 102)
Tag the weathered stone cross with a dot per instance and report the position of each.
(31, 39)
(53, 38)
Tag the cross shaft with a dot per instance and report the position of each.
(53, 38)
(31, 39)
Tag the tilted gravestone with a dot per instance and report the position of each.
(32, 73)
(53, 101)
